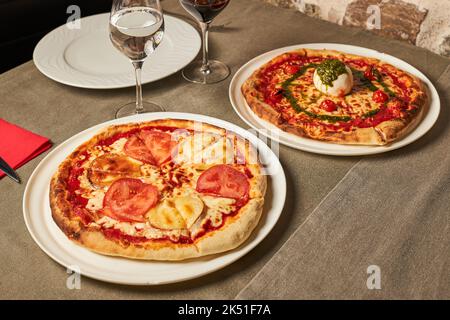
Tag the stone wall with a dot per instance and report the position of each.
(425, 23)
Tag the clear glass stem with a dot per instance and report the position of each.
(138, 71)
(205, 30)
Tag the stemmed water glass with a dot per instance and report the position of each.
(205, 71)
(136, 29)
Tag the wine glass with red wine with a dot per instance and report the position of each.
(205, 71)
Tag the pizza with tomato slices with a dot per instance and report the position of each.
(160, 190)
(337, 97)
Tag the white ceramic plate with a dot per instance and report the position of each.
(305, 144)
(86, 58)
(37, 215)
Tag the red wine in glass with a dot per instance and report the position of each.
(205, 71)
(204, 10)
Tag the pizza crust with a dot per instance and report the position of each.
(232, 234)
(235, 230)
(155, 250)
(382, 134)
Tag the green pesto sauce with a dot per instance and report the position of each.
(368, 83)
(364, 81)
(370, 113)
(287, 93)
(293, 102)
(330, 70)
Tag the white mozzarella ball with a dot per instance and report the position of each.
(339, 88)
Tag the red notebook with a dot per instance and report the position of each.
(18, 146)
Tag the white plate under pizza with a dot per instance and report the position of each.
(165, 196)
(335, 99)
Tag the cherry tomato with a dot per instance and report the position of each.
(292, 69)
(328, 105)
(380, 96)
(369, 73)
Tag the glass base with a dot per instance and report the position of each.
(218, 71)
(130, 109)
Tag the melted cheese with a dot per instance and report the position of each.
(205, 149)
(190, 149)
(221, 152)
(107, 168)
(308, 96)
(181, 210)
(197, 227)
(214, 210)
(166, 216)
(216, 207)
(152, 175)
(190, 208)
(170, 218)
(84, 181)
(94, 153)
(95, 201)
(223, 204)
(139, 229)
(118, 146)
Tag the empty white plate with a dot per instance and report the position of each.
(320, 147)
(51, 239)
(86, 58)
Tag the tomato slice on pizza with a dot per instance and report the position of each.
(160, 144)
(224, 181)
(136, 149)
(130, 199)
(150, 146)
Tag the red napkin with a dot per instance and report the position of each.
(18, 146)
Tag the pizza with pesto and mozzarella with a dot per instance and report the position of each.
(160, 190)
(337, 97)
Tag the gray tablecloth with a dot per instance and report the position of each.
(341, 214)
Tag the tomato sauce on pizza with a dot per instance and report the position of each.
(161, 190)
(336, 97)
